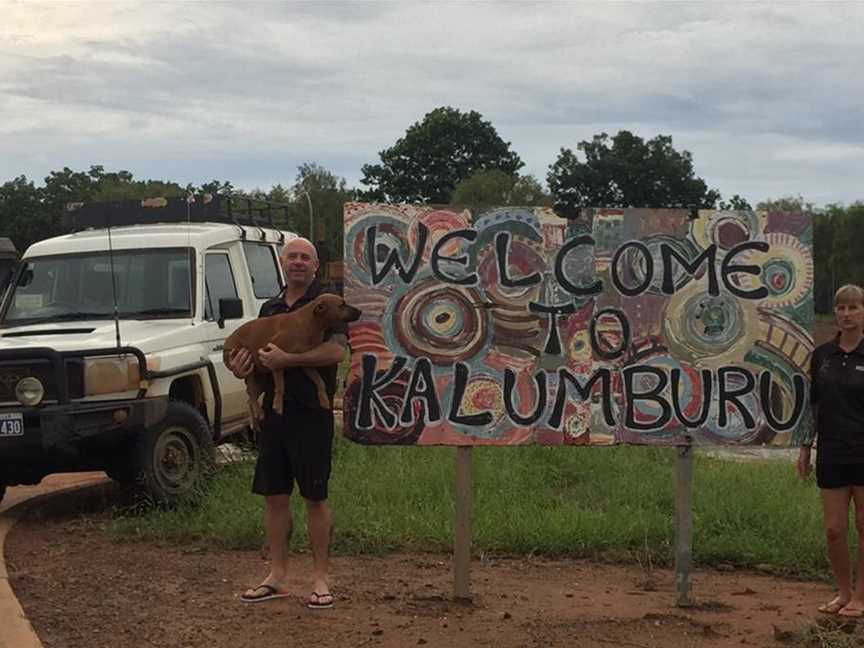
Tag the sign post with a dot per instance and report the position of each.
(683, 525)
(462, 528)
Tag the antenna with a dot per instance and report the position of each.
(113, 283)
(190, 198)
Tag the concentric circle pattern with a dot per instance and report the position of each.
(443, 323)
(727, 229)
(702, 327)
(786, 271)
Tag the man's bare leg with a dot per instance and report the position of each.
(319, 539)
(277, 518)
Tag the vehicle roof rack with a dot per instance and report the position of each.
(206, 208)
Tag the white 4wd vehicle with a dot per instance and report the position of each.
(111, 342)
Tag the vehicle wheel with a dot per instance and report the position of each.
(174, 458)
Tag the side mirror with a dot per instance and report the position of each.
(229, 308)
(25, 278)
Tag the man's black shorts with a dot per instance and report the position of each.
(836, 475)
(297, 446)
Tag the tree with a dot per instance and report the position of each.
(327, 193)
(29, 213)
(786, 204)
(495, 187)
(23, 217)
(437, 154)
(626, 171)
(735, 203)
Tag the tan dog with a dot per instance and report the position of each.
(294, 332)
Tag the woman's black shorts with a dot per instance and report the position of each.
(297, 446)
(835, 475)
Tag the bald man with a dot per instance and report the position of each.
(297, 446)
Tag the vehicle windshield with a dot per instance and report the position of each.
(149, 284)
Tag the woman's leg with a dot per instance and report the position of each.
(856, 605)
(835, 509)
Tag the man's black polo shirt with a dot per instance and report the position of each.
(299, 390)
(837, 388)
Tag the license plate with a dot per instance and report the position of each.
(11, 424)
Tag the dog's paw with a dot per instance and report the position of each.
(256, 415)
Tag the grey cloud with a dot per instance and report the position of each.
(276, 84)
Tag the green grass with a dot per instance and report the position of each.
(816, 636)
(603, 503)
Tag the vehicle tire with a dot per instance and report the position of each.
(174, 458)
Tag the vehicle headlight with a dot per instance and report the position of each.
(29, 391)
(110, 375)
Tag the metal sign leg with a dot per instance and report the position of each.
(462, 530)
(683, 525)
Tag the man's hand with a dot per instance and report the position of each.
(240, 363)
(274, 358)
(803, 465)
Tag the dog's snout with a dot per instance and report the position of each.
(352, 314)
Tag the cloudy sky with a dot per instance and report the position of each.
(769, 98)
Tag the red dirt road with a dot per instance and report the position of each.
(96, 593)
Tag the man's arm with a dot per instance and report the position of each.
(327, 353)
(240, 361)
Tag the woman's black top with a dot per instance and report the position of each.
(837, 389)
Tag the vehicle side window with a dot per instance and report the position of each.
(219, 282)
(264, 269)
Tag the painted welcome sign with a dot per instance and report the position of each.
(513, 325)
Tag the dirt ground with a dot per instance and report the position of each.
(78, 588)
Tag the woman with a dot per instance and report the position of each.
(837, 394)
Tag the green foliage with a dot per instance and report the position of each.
(735, 203)
(626, 171)
(831, 634)
(786, 204)
(29, 213)
(327, 194)
(437, 154)
(608, 503)
(837, 235)
(23, 217)
(494, 187)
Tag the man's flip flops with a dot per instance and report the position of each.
(263, 592)
(832, 607)
(851, 613)
(320, 601)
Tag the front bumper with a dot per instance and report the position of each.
(73, 437)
